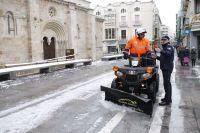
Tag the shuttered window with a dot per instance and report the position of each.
(197, 6)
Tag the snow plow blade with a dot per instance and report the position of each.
(131, 100)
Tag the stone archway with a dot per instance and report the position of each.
(57, 42)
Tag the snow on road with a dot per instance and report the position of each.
(27, 116)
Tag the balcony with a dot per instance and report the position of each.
(137, 23)
(110, 24)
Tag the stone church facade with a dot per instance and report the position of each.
(34, 30)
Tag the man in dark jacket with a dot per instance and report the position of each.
(166, 65)
(193, 56)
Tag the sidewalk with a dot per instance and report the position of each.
(183, 116)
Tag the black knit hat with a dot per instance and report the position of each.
(165, 37)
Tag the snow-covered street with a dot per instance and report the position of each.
(70, 101)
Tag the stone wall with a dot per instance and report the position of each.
(72, 26)
(13, 45)
(55, 25)
(99, 38)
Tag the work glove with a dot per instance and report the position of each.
(158, 50)
(125, 55)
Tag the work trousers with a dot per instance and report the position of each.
(193, 62)
(167, 85)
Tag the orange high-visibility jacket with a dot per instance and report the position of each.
(137, 46)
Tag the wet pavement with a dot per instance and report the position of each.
(183, 115)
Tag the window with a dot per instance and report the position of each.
(11, 23)
(123, 18)
(156, 33)
(197, 6)
(98, 13)
(137, 9)
(112, 49)
(52, 11)
(113, 34)
(110, 33)
(123, 34)
(123, 10)
(110, 20)
(106, 33)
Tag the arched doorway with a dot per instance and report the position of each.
(54, 31)
(49, 48)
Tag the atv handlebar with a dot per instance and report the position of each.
(149, 54)
(143, 59)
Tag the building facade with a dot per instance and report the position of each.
(189, 25)
(34, 30)
(122, 20)
(164, 30)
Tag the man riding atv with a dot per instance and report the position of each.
(138, 45)
(136, 84)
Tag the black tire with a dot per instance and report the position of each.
(157, 82)
(114, 84)
(152, 91)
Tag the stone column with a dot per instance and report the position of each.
(91, 36)
(73, 32)
(34, 31)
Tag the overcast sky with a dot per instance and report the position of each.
(167, 9)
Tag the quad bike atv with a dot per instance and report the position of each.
(135, 85)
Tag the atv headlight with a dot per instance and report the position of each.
(146, 75)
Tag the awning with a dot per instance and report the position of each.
(195, 29)
(111, 44)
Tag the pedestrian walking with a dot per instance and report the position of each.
(186, 56)
(180, 54)
(166, 65)
(193, 56)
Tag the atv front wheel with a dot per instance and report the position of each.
(152, 91)
(114, 84)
